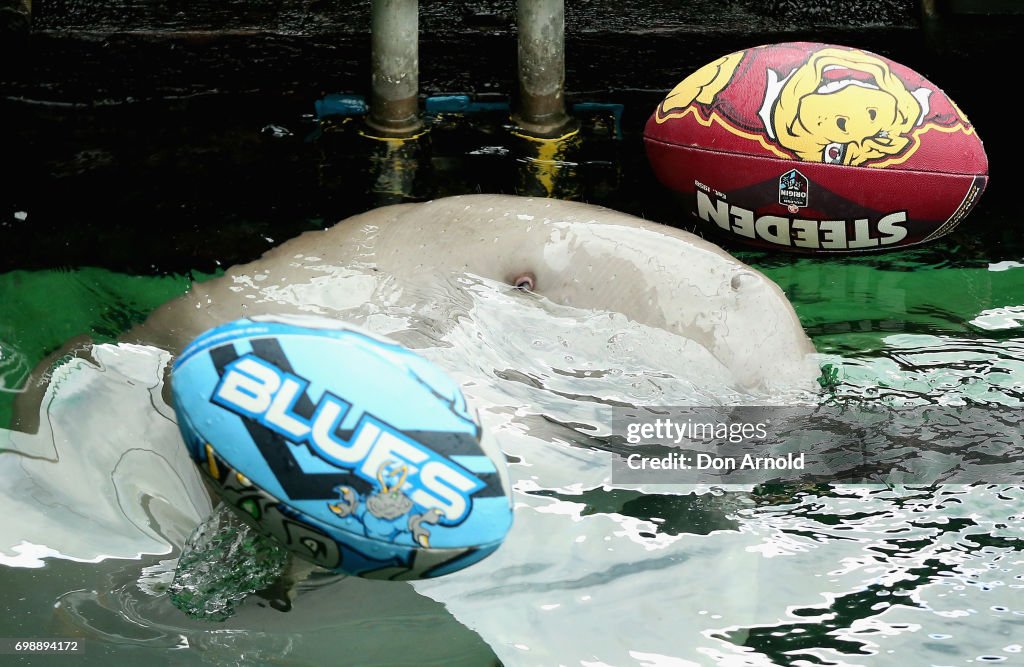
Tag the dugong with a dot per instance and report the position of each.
(571, 253)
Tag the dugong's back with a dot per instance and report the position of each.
(575, 254)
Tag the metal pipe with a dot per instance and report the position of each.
(394, 103)
(541, 107)
(928, 10)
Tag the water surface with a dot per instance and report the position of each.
(592, 573)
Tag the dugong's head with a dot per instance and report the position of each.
(592, 257)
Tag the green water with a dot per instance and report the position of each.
(41, 310)
(928, 323)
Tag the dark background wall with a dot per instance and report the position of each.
(139, 135)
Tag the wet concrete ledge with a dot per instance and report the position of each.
(311, 17)
(83, 51)
(87, 51)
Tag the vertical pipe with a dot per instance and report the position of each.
(394, 103)
(541, 107)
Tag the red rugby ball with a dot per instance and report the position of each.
(810, 147)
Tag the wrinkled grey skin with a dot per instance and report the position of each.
(571, 253)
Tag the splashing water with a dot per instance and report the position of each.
(222, 562)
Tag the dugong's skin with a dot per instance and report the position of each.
(577, 255)
(574, 254)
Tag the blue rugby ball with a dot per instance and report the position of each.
(356, 453)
